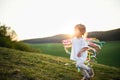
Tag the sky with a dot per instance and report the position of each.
(42, 18)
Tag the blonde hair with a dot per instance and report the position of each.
(82, 29)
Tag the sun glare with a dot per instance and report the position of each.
(30, 22)
(71, 32)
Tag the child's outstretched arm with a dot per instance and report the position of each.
(81, 51)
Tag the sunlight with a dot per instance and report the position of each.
(56, 19)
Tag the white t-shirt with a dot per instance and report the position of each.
(77, 45)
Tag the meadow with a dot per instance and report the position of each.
(21, 65)
(109, 54)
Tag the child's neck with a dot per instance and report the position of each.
(80, 36)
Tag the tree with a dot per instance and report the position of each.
(7, 36)
(8, 33)
(8, 39)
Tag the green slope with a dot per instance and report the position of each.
(109, 55)
(55, 49)
(18, 65)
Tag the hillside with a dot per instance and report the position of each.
(112, 35)
(52, 39)
(18, 65)
(109, 54)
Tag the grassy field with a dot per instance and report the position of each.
(55, 49)
(19, 65)
(109, 55)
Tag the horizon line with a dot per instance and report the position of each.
(64, 34)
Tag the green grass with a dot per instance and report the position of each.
(55, 49)
(19, 65)
(109, 55)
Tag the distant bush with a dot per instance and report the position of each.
(8, 39)
(24, 47)
(5, 42)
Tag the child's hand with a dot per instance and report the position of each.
(67, 42)
(79, 55)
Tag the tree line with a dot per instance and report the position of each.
(8, 39)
